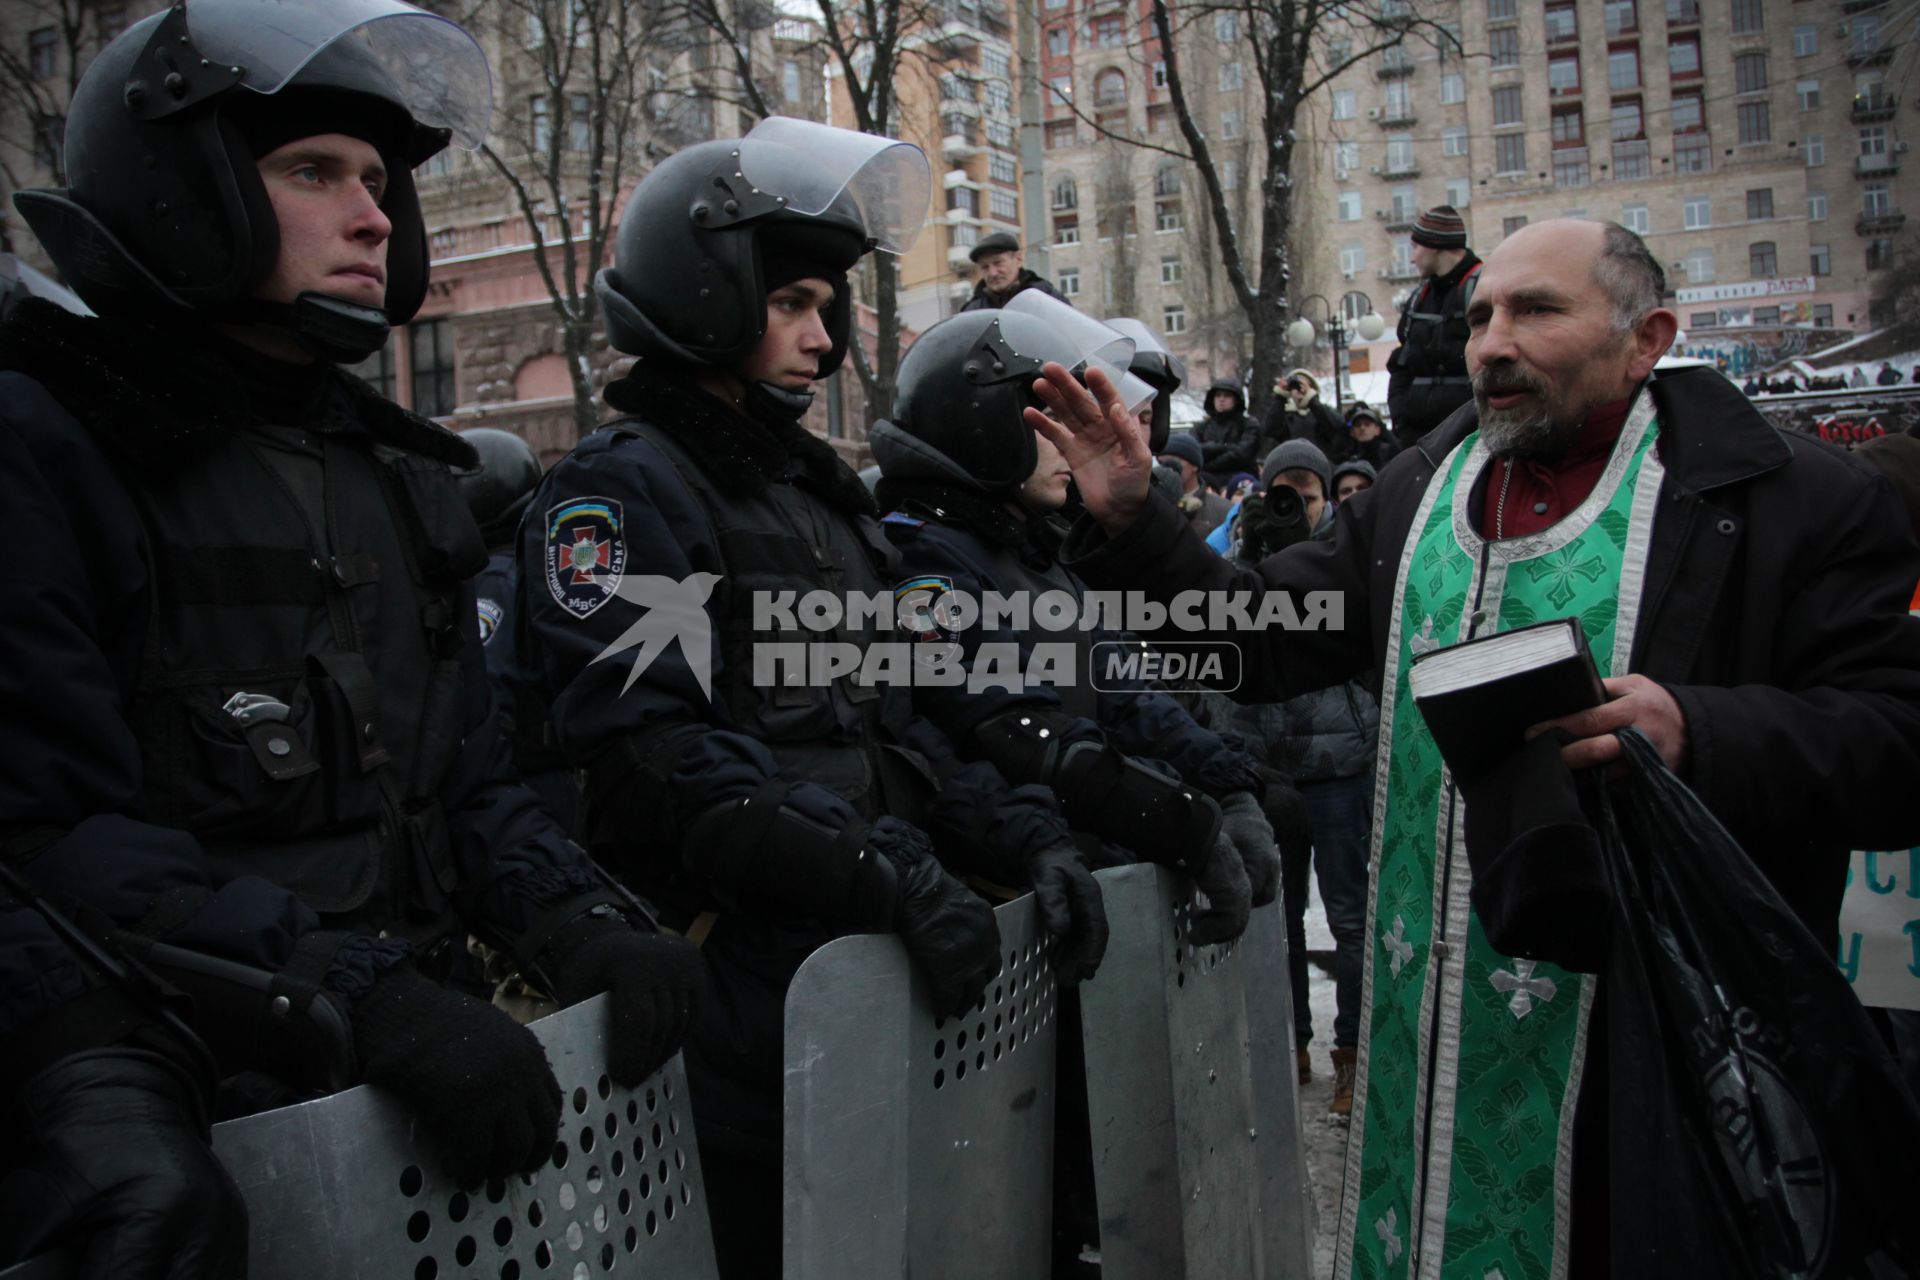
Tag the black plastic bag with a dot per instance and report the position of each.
(1759, 1126)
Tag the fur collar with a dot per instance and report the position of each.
(740, 451)
(157, 397)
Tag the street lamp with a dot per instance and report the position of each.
(1301, 332)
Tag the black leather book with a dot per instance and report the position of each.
(1479, 697)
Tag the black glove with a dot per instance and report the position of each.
(478, 1080)
(1246, 829)
(113, 1161)
(948, 928)
(654, 982)
(1072, 910)
(1223, 878)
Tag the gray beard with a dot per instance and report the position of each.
(1525, 434)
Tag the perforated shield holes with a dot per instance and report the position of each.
(898, 1127)
(344, 1186)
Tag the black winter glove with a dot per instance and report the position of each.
(478, 1080)
(112, 1161)
(948, 928)
(1223, 878)
(1072, 910)
(1246, 829)
(654, 982)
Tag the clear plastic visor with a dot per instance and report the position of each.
(1100, 346)
(1145, 340)
(813, 166)
(430, 65)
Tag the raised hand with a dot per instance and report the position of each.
(1104, 445)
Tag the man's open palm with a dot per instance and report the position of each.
(1103, 443)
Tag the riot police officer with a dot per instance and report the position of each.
(244, 710)
(765, 810)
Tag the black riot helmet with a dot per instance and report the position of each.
(497, 493)
(166, 213)
(958, 411)
(1154, 364)
(710, 231)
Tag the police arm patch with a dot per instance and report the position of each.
(586, 553)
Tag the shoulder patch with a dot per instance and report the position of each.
(586, 553)
(490, 615)
(901, 517)
(924, 606)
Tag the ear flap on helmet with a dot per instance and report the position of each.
(407, 253)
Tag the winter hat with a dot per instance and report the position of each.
(1239, 478)
(1181, 444)
(792, 251)
(1305, 377)
(1440, 228)
(1001, 242)
(1357, 466)
(1297, 455)
(1363, 410)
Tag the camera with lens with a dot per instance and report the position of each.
(1279, 521)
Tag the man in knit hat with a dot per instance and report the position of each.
(1003, 273)
(1205, 509)
(1428, 373)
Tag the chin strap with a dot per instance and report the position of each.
(764, 400)
(331, 329)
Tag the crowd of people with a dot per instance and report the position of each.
(1789, 383)
(309, 690)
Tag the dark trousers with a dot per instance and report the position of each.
(1341, 811)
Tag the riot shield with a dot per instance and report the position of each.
(916, 1147)
(1199, 1159)
(344, 1186)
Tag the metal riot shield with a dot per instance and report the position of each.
(1199, 1159)
(344, 1186)
(915, 1147)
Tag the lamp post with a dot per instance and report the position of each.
(1301, 332)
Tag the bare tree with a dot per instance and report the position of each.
(47, 47)
(1116, 196)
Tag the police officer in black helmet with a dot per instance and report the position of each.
(766, 815)
(244, 710)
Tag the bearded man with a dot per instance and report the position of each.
(1744, 594)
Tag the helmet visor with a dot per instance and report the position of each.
(1100, 347)
(427, 64)
(815, 166)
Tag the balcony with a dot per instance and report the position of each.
(1399, 271)
(1402, 169)
(1397, 219)
(952, 39)
(1396, 116)
(1859, 6)
(1884, 165)
(1868, 53)
(1393, 65)
(1879, 224)
(956, 147)
(1877, 105)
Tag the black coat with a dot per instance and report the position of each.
(1317, 423)
(984, 299)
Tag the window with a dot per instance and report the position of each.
(1622, 17)
(377, 369)
(1166, 198)
(430, 343)
(1749, 72)
(790, 81)
(542, 127)
(1823, 315)
(1453, 140)
(1755, 120)
(1160, 119)
(965, 199)
(1066, 192)
(1000, 133)
(1748, 17)
(1873, 140)
(1570, 168)
(1229, 77)
(1506, 105)
(1399, 153)
(1876, 200)
(1683, 57)
(1759, 204)
(1814, 149)
(1632, 160)
(1808, 94)
(1001, 168)
(1703, 320)
(1879, 254)
(1346, 155)
(1399, 101)
(1229, 175)
(1229, 124)
(1406, 205)
(1696, 213)
(1059, 134)
(1458, 192)
(1110, 32)
(999, 96)
(1503, 43)
(1510, 225)
(1866, 35)
(1510, 153)
(1170, 269)
(1166, 215)
(955, 125)
(1562, 25)
(43, 53)
(1635, 218)
(1688, 111)
(1353, 259)
(1563, 76)
(1625, 123)
(1062, 87)
(1349, 206)
(996, 62)
(1819, 260)
(1173, 318)
(1057, 42)
(1623, 69)
(1066, 231)
(1763, 259)
(579, 122)
(1344, 101)
(1110, 88)
(1683, 13)
(1568, 128)
(1766, 315)
(1226, 27)
(1402, 264)
(1501, 11)
(1699, 265)
(1339, 50)
(1160, 74)
(1003, 205)
(1068, 280)
(1816, 206)
(1692, 153)
(1453, 88)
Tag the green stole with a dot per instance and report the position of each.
(1459, 1157)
